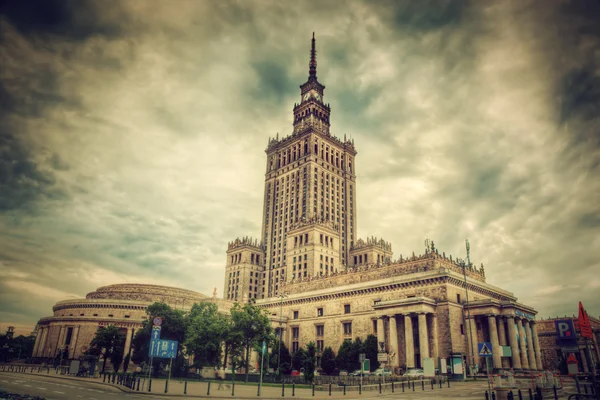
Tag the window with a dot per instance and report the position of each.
(320, 330)
(319, 312)
(294, 347)
(295, 314)
(347, 328)
(458, 298)
(346, 308)
(462, 329)
(320, 345)
(295, 332)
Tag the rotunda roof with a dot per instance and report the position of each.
(144, 292)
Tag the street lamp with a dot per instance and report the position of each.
(463, 265)
(281, 297)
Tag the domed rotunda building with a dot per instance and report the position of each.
(70, 330)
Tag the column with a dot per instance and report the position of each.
(127, 345)
(380, 333)
(530, 352)
(502, 339)
(536, 345)
(522, 348)
(38, 341)
(435, 347)
(514, 345)
(393, 345)
(73, 346)
(496, 355)
(423, 338)
(408, 339)
(471, 333)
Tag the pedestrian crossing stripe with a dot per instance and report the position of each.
(484, 350)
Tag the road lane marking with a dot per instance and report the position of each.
(41, 388)
(56, 391)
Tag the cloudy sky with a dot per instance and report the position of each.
(132, 137)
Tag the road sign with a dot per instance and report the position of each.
(163, 348)
(157, 321)
(382, 357)
(366, 365)
(571, 359)
(485, 349)
(565, 332)
(156, 332)
(264, 348)
(361, 357)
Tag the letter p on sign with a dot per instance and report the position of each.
(563, 329)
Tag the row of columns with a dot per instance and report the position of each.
(424, 345)
(526, 352)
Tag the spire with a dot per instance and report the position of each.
(312, 71)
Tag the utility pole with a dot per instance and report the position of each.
(462, 262)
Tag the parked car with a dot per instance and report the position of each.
(415, 373)
(357, 373)
(343, 373)
(382, 372)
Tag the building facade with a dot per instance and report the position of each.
(325, 286)
(67, 334)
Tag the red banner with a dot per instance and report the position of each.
(584, 323)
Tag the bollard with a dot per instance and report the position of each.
(392, 386)
(520, 394)
(48, 372)
(431, 384)
(344, 389)
(585, 389)
(379, 387)
(577, 384)
(360, 388)
(313, 390)
(555, 392)
(150, 385)
(330, 388)
(422, 385)
(208, 390)
(233, 389)
(487, 395)
(185, 387)
(440, 382)
(282, 389)
(104, 380)
(293, 389)
(138, 385)
(530, 394)
(413, 382)
(448, 382)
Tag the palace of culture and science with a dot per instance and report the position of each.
(321, 284)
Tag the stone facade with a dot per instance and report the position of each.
(73, 325)
(326, 286)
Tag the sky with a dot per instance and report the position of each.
(132, 137)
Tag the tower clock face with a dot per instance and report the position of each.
(312, 94)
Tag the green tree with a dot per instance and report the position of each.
(206, 331)
(344, 354)
(253, 326)
(173, 328)
(328, 361)
(285, 367)
(369, 347)
(297, 359)
(107, 342)
(309, 362)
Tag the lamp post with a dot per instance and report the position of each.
(463, 265)
(281, 297)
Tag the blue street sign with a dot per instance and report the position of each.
(484, 349)
(156, 332)
(565, 332)
(264, 348)
(163, 348)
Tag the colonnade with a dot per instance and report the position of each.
(426, 322)
(522, 338)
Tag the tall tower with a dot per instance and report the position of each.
(310, 180)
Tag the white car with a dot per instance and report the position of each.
(415, 373)
(382, 372)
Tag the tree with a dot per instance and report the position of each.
(206, 331)
(344, 354)
(173, 328)
(285, 367)
(297, 359)
(369, 347)
(253, 326)
(107, 342)
(309, 362)
(328, 361)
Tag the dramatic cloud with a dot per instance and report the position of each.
(132, 137)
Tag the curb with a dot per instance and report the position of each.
(125, 390)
